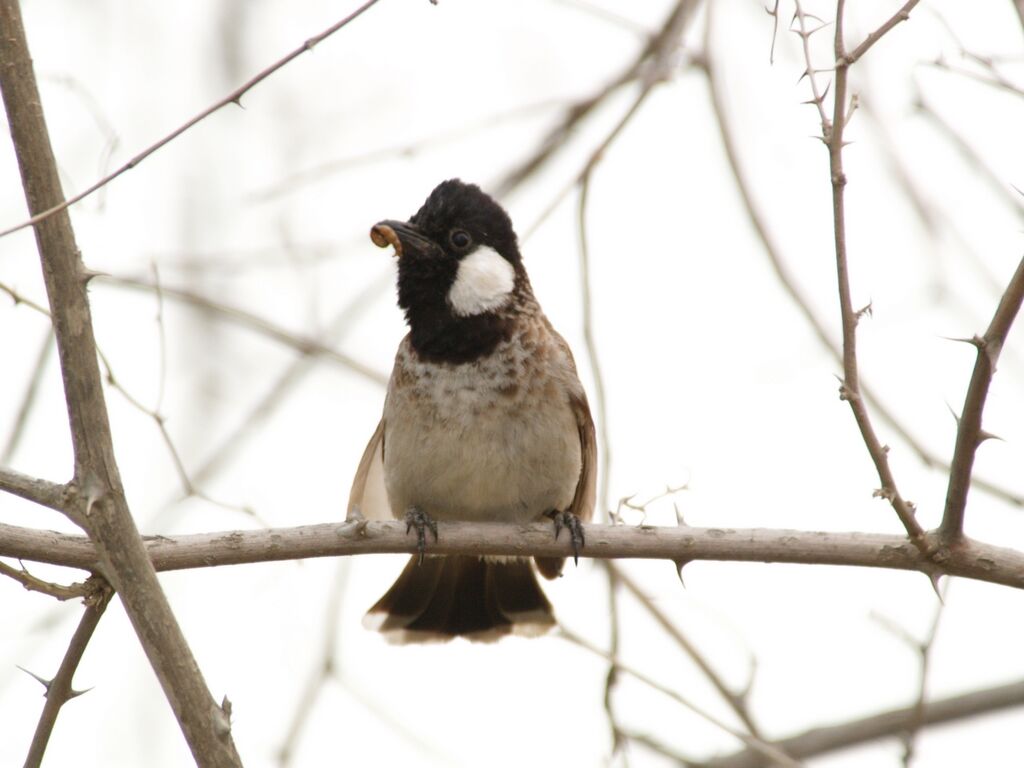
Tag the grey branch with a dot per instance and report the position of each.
(96, 494)
(973, 560)
(819, 741)
(40, 491)
(969, 434)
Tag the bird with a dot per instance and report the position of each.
(485, 419)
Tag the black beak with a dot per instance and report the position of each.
(401, 235)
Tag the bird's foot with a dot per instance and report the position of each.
(421, 521)
(571, 522)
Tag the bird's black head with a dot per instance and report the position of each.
(459, 272)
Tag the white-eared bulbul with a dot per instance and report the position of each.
(485, 419)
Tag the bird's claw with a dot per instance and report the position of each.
(571, 522)
(421, 521)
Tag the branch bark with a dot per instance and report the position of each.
(96, 492)
(832, 134)
(59, 690)
(969, 434)
(819, 741)
(973, 559)
(235, 97)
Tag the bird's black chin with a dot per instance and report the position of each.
(439, 336)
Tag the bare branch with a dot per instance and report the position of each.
(35, 489)
(737, 701)
(648, 65)
(96, 493)
(762, 748)
(969, 433)
(303, 344)
(829, 738)
(59, 690)
(235, 97)
(832, 134)
(900, 16)
(28, 399)
(973, 559)
(792, 288)
(35, 584)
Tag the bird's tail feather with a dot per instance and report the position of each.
(452, 596)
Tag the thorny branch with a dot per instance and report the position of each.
(788, 280)
(235, 97)
(830, 738)
(762, 748)
(832, 134)
(59, 690)
(96, 496)
(969, 433)
(973, 559)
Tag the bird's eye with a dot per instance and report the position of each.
(460, 239)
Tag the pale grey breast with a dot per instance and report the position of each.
(495, 439)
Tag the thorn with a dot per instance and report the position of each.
(42, 680)
(222, 720)
(680, 564)
(934, 577)
(89, 274)
(73, 694)
(961, 340)
(94, 491)
(679, 516)
(984, 435)
(954, 414)
(867, 310)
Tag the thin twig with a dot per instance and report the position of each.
(325, 170)
(995, 180)
(920, 706)
(789, 282)
(28, 399)
(325, 669)
(832, 134)
(969, 434)
(766, 750)
(35, 584)
(604, 452)
(736, 701)
(303, 344)
(897, 18)
(59, 690)
(647, 65)
(235, 97)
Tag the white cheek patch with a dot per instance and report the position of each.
(484, 282)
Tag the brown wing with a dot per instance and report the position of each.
(368, 496)
(586, 488)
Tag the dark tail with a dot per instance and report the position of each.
(450, 596)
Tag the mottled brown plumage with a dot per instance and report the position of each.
(485, 420)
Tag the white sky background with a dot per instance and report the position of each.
(713, 376)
